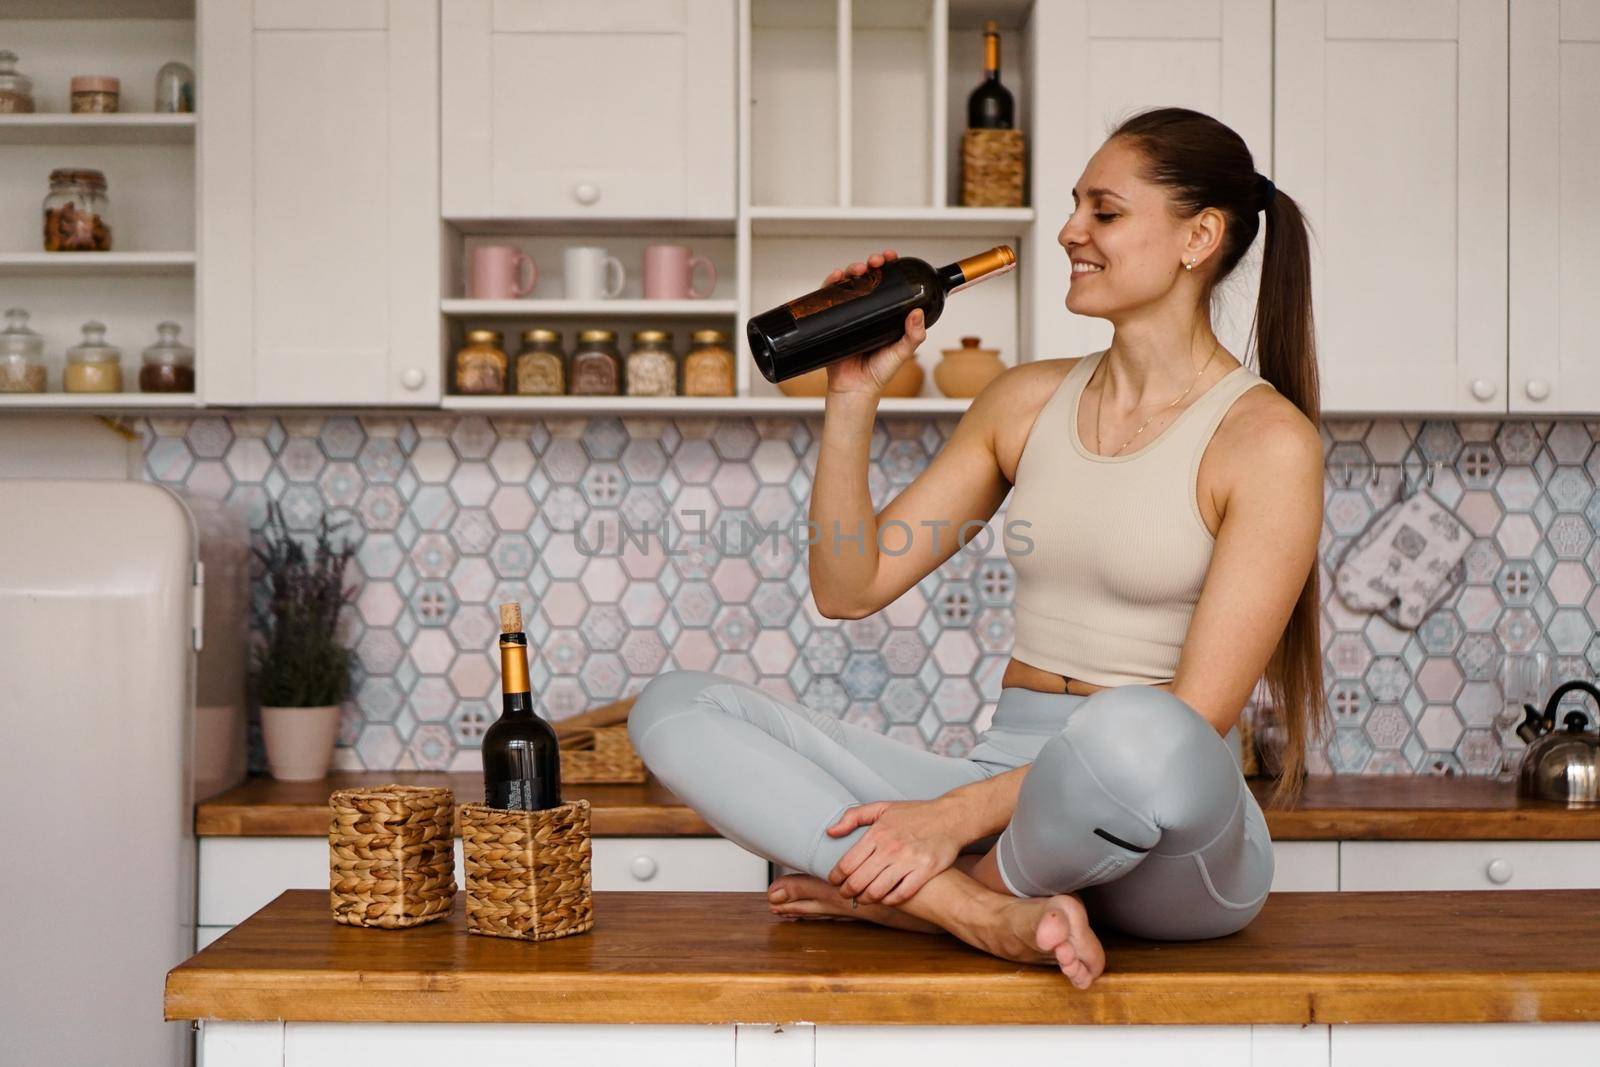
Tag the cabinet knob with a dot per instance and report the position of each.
(1537, 388)
(585, 193)
(1499, 871)
(413, 379)
(643, 868)
(1483, 389)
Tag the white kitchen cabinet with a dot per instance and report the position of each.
(241, 875)
(1305, 866)
(567, 108)
(1097, 62)
(319, 243)
(1390, 132)
(1555, 217)
(1418, 865)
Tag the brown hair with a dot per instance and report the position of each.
(1203, 163)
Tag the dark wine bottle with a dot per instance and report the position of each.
(521, 760)
(862, 312)
(989, 107)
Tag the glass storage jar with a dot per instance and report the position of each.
(75, 212)
(16, 90)
(480, 365)
(96, 94)
(174, 89)
(596, 364)
(652, 368)
(541, 365)
(93, 366)
(708, 368)
(167, 366)
(21, 356)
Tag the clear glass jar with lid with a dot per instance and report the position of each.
(16, 90)
(541, 365)
(596, 364)
(481, 364)
(708, 368)
(22, 367)
(652, 368)
(167, 366)
(92, 365)
(76, 212)
(175, 89)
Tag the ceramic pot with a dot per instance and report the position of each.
(966, 370)
(299, 741)
(907, 381)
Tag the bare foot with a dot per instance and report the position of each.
(1059, 925)
(802, 896)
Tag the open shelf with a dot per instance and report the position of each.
(689, 405)
(870, 222)
(97, 129)
(98, 401)
(588, 308)
(96, 262)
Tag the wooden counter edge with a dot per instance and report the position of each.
(1040, 998)
(299, 820)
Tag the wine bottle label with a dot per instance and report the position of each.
(852, 288)
(519, 794)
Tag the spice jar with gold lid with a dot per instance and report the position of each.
(21, 356)
(596, 364)
(93, 366)
(481, 364)
(541, 365)
(96, 94)
(708, 368)
(652, 368)
(75, 212)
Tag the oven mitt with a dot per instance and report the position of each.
(1406, 555)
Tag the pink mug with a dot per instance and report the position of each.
(498, 272)
(669, 273)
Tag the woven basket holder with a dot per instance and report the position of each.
(391, 859)
(528, 872)
(611, 760)
(992, 168)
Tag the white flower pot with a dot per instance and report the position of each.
(299, 741)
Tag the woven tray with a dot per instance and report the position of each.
(992, 168)
(528, 872)
(391, 859)
(611, 759)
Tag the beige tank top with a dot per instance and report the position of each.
(1119, 549)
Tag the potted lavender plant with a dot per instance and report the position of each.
(302, 670)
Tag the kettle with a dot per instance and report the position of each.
(1561, 765)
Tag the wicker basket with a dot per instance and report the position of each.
(612, 759)
(992, 168)
(528, 872)
(391, 859)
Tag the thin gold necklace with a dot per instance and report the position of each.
(1100, 406)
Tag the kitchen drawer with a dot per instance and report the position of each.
(1400, 865)
(1305, 866)
(240, 875)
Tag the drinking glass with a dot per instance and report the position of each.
(1524, 679)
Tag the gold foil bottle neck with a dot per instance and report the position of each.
(996, 260)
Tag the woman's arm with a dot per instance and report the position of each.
(981, 808)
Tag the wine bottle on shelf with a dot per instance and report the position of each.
(521, 759)
(862, 312)
(989, 107)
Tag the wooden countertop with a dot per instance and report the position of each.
(1343, 807)
(718, 958)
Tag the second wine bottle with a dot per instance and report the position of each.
(521, 756)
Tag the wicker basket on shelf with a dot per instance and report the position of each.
(993, 165)
(528, 872)
(610, 759)
(391, 859)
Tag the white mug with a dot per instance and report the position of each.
(592, 274)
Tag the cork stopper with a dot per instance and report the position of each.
(511, 618)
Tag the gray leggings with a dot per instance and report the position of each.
(1132, 799)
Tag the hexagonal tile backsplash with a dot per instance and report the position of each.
(457, 514)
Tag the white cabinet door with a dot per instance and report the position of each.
(1555, 216)
(1418, 865)
(1305, 866)
(568, 108)
(1095, 63)
(1390, 131)
(319, 245)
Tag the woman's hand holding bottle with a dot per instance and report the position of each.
(868, 373)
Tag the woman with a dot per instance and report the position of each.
(1172, 515)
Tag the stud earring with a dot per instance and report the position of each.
(1188, 264)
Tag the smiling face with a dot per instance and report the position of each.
(1127, 249)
